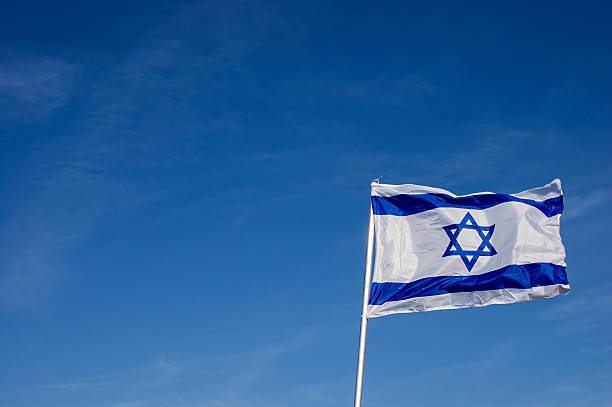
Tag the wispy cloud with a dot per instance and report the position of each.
(489, 361)
(597, 349)
(379, 91)
(82, 384)
(34, 84)
(438, 166)
(158, 373)
(578, 205)
(70, 183)
(326, 393)
(231, 378)
(243, 371)
(584, 313)
(480, 366)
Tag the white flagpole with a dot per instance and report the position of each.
(364, 311)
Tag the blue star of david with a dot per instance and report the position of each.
(469, 257)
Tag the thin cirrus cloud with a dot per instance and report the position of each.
(232, 378)
(77, 385)
(585, 313)
(389, 92)
(34, 85)
(580, 205)
(51, 213)
(122, 126)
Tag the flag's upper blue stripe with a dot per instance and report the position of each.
(513, 276)
(404, 205)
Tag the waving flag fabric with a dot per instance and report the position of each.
(436, 250)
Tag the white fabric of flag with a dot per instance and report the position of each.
(436, 250)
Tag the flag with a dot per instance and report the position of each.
(437, 250)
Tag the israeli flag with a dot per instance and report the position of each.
(436, 250)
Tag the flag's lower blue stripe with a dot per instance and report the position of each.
(404, 205)
(513, 276)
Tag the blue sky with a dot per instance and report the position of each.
(185, 196)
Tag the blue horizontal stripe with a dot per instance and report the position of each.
(404, 205)
(513, 276)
